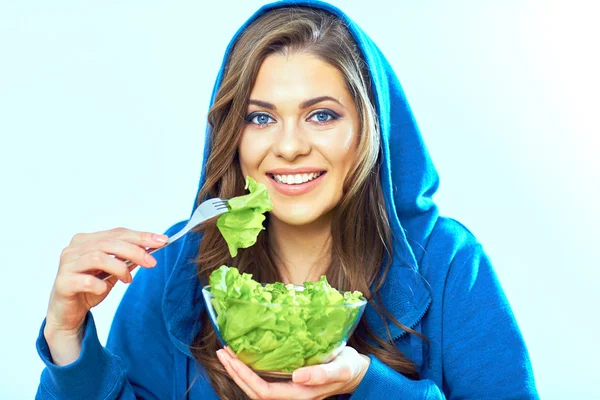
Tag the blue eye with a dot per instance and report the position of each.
(260, 119)
(324, 116)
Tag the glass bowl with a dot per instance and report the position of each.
(275, 339)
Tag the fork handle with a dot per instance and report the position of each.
(105, 275)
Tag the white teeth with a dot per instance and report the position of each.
(296, 179)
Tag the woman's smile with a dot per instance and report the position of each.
(296, 182)
(300, 137)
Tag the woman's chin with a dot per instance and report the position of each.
(297, 217)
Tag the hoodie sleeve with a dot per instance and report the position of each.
(383, 383)
(484, 355)
(136, 353)
(96, 374)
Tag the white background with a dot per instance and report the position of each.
(102, 114)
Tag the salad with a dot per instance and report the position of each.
(298, 326)
(274, 327)
(241, 225)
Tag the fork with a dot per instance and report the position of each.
(208, 209)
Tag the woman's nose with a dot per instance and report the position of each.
(291, 142)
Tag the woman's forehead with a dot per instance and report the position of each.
(298, 77)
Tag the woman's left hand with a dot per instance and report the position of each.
(340, 376)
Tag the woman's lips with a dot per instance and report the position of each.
(296, 189)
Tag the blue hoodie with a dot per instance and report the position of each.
(441, 284)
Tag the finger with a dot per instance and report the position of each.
(121, 249)
(72, 284)
(69, 253)
(224, 358)
(229, 351)
(322, 374)
(276, 390)
(339, 370)
(80, 238)
(99, 261)
(144, 239)
(244, 376)
(269, 390)
(281, 390)
(111, 281)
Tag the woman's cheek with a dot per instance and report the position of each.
(338, 141)
(251, 151)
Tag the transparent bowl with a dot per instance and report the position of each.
(275, 339)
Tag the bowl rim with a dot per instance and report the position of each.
(363, 302)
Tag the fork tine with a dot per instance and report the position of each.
(214, 202)
(220, 203)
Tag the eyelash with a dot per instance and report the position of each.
(253, 115)
(332, 117)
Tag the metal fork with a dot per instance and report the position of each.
(208, 209)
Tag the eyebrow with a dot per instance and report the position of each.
(304, 104)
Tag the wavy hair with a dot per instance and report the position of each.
(359, 250)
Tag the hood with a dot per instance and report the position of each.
(409, 181)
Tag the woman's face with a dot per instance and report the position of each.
(301, 135)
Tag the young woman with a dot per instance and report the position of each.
(306, 104)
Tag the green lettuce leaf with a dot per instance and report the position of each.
(288, 356)
(298, 327)
(243, 222)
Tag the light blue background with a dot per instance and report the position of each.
(103, 107)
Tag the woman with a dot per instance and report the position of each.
(306, 104)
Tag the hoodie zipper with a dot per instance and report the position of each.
(416, 322)
(416, 344)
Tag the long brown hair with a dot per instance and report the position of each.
(358, 249)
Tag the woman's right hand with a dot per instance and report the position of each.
(76, 289)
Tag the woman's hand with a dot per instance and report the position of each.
(340, 376)
(76, 290)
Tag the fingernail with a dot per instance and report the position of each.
(160, 238)
(301, 376)
(150, 261)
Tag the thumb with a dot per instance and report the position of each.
(341, 369)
